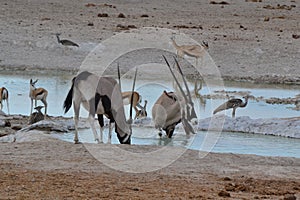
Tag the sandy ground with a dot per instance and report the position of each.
(248, 40)
(254, 41)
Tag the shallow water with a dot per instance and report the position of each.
(58, 86)
(226, 142)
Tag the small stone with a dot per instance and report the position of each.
(224, 194)
(102, 15)
(289, 197)
(121, 15)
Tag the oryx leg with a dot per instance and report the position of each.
(109, 132)
(76, 107)
(170, 131)
(101, 123)
(91, 120)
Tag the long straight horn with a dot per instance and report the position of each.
(177, 82)
(184, 81)
(131, 98)
(119, 77)
(192, 112)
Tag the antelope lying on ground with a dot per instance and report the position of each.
(136, 100)
(37, 94)
(171, 109)
(101, 96)
(4, 97)
(196, 51)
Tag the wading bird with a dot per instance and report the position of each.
(4, 97)
(65, 42)
(171, 109)
(196, 51)
(101, 96)
(37, 94)
(234, 104)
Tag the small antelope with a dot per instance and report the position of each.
(136, 100)
(196, 51)
(143, 112)
(4, 97)
(37, 94)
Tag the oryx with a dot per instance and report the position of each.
(101, 96)
(171, 108)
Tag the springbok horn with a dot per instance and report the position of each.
(131, 100)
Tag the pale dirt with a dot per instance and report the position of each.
(242, 44)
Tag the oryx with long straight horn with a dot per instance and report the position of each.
(101, 96)
(171, 109)
(4, 97)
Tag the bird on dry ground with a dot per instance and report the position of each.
(65, 42)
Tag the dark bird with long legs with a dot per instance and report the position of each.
(65, 42)
(232, 104)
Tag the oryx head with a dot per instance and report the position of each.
(188, 114)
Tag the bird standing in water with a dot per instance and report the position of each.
(234, 104)
(65, 42)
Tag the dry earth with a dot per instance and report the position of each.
(254, 41)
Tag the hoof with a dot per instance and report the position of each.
(98, 141)
(77, 142)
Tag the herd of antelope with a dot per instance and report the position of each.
(103, 96)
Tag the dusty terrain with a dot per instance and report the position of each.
(253, 41)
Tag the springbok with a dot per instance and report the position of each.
(136, 100)
(196, 51)
(4, 97)
(143, 112)
(101, 96)
(171, 109)
(37, 94)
